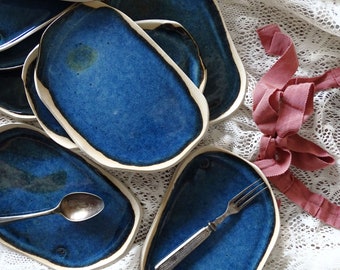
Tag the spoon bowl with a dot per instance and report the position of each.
(75, 207)
(80, 206)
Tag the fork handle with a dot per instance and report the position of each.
(182, 251)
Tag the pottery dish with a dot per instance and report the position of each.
(116, 93)
(36, 174)
(198, 193)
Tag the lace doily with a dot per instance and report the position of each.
(304, 242)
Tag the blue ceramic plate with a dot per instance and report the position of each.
(171, 36)
(116, 93)
(226, 82)
(198, 193)
(20, 18)
(13, 101)
(35, 174)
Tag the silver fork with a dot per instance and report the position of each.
(235, 205)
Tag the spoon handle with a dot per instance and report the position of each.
(7, 219)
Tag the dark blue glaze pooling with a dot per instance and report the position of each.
(18, 17)
(12, 92)
(201, 194)
(115, 89)
(16, 55)
(177, 43)
(35, 174)
(202, 19)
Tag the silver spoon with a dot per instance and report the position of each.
(75, 207)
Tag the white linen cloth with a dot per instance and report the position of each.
(304, 242)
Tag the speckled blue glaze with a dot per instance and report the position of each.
(201, 194)
(115, 90)
(202, 19)
(174, 41)
(12, 92)
(35, 174)
(19, 17)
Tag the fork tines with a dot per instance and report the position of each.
(249, 193)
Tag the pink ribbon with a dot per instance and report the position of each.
(282, 104)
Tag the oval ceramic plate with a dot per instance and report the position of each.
(198, 193)
(13, 101)
(35, 174)
(116, 93)
(171, 36)
(226, 82)
(20, 18)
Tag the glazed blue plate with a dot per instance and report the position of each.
(35, 174)
(171, 36)
(198, 193)
(116, 93)
(20, 18)
(13, 100)
(226, 82)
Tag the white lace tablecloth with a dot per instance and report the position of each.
(304, 242)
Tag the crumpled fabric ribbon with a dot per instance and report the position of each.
(281, 104)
